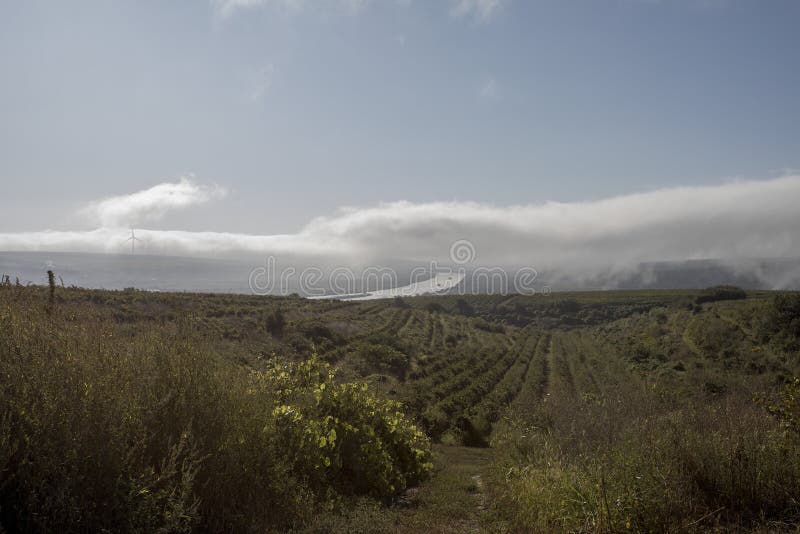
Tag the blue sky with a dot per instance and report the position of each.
(283, 111)
(299, 107)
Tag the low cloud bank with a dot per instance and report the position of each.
(736, 221)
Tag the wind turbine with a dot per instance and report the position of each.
(133, 239)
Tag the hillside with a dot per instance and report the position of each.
(595, 412)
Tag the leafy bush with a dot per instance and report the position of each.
(321, 335)
(786, 407)
(105, 427)
(486, 326)
(375, 358)
(342, 436)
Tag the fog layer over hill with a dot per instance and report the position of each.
(164, 273)
(604, 243)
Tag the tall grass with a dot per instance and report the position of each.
(148, 429)
(631, 461)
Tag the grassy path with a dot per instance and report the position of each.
(454, 500)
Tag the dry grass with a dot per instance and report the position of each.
(104, 427)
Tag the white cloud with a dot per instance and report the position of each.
(167, 242)
(480, 10)
(149, 205)
(735, 221)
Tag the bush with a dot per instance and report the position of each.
(465, 308)
(567, 306)
(716, 293)
(786, 407)
(434, 307)
(342, 436)
(486, 326)
(782, 319)
(153, 431)
(276, 323)
(374, 358)
(322, 336)
(398, 302)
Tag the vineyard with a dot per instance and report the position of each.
(588, 412)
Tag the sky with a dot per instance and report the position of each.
(284, 121)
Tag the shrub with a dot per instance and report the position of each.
(486, 326)
(716, 293)
(276, 323)
(150, 430)
(398, 302)
(464, 308)
(321, 335)
(786, 407)
(567, 306)
(374, 358)
(782, 319)
(434, 307)
(342, 436)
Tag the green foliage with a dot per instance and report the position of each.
(434, 307)
(464, 308)
(474, 431)
(321, 335)
(376, 358)
(276, 323)
(113, 426)
(786, 407)
(171, 411)
(342, 436)
(486, 326)
(717, 293)
(567, 306)
(657, 471)
(606, 437)
(782, 319)
(398, 302)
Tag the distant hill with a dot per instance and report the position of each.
(781, 273)
(167, 273)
